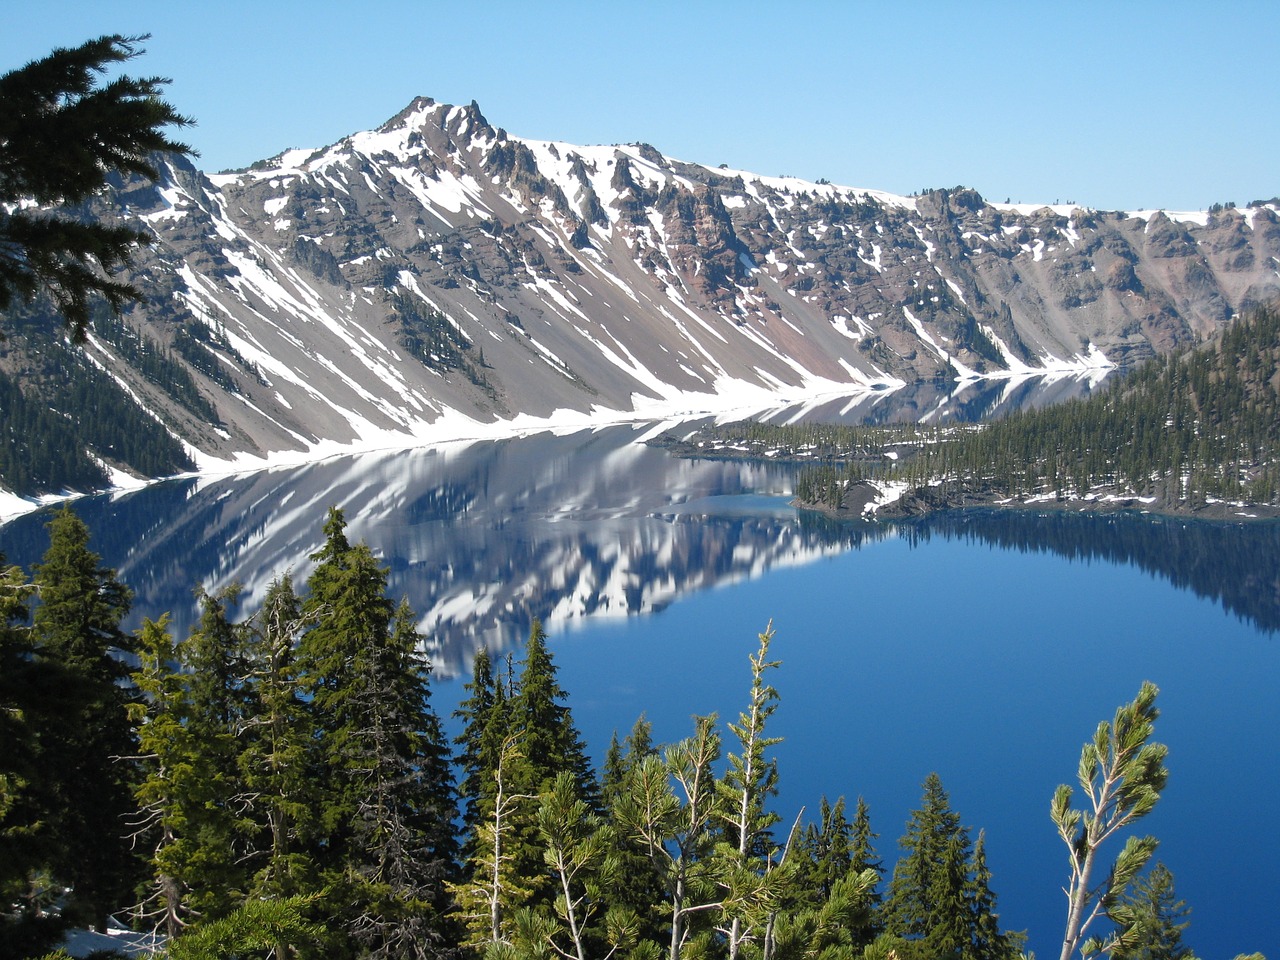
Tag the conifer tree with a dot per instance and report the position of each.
(923, 893)
(89, 742)
(1151, 920)
(636, 884)
(476, 758)
(550, 741)
(940, 893)
(28, 845)
(275, 755)
(863, 857)
(385, 848)
(752, 891)
(217, 710)
(826, 849)
(675, 829)
(165, 792)
(60, 135)
(1121, 773)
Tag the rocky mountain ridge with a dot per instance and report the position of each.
(438, 276)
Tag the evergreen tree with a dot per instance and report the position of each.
(636, 885)
(60, 136)
(925, 892)
(88, 741)
(218, 709)
(987, 940)
(275, 755)
(547, 743)
(675, 828)
(170, 761)
(863, 857)
(550, 741)
(1122, 773)
(385, 847)
(28, 844)
(940, 893)
(1150, 920)
(750, 779)
(476, 758)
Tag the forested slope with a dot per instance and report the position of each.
(1197, 429)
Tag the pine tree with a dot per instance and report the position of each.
(675, 828)
(1122, 773)
(636, 885)
(89, 741)
(60, 136)
(748, 782)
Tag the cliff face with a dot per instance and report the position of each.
(437, 271)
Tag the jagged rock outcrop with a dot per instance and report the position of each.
(438, 271)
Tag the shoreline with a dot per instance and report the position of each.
(870, 501)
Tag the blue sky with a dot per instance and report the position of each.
(1117, 105)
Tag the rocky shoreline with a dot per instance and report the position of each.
(868, 501)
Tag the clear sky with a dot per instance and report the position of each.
(1119, 105)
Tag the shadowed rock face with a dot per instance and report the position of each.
(439, 271)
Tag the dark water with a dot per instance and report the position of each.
(985, 646)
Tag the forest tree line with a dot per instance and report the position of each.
(1196, 425)
(280, 785)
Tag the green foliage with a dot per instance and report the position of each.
(60, 135)
(1200, 424)
(77, 644)
(67, 412)
(1149, 920)
(155, 364)
(295, 797)
(940, 894)
(1121, 774)
(257, 929)
(381, 836)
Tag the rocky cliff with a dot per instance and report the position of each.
(438, 274)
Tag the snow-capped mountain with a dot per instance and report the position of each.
(437, 276)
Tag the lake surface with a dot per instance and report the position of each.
(985, 646)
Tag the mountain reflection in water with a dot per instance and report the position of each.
(483, 537)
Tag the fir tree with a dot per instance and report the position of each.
(165, 792)
(940, 893)
(28, 844)
(1151, 920)
(217, 711)
(274, 758)
(550, 741)
(60, 136)
(89, 740)
(385, 848)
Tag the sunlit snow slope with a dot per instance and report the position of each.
(439, 277)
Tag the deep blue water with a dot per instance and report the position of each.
(990, 667)
(983, 646)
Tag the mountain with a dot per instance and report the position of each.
(438, 277)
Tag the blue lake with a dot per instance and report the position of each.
(983, 646)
